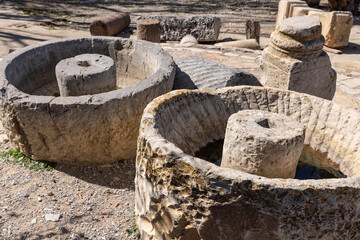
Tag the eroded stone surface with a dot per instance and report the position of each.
(336, 25)
(179, 196)
(86, 74)
(98, 128)
(199, 73)
(295, 60)
(263, 143)
(203, 28)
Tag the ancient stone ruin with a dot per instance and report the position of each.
(295, 59)
(92, 128)
(263, 143)
(336, 25)
(181, 196)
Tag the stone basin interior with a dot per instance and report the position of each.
(198, 121)
(212, 152)
(134, 63)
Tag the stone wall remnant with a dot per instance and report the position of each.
(180, 196)
(198, 73)
(78, 130)
(203, 28)
(149, 30)
(86, 74)
(295, 60)
(110, 25)
(263, 143)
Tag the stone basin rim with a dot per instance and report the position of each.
(128, 91)
(167, 148)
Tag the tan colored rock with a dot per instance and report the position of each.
(263, 143)
(295, 59)
(180, 196)
(149, 30)
(110, 25)
(247, 43)
(285, 9)
(336, 27)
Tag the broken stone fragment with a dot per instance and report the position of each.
(188, 40)
(263, 143)
(199, 73)
(110, 25)
(203, 28)
(246, 43)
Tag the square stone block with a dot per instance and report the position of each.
(285, 9)
(336, 27)
(313, 75)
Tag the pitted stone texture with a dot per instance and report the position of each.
(86, 74)
(336, 27)
(198, 73)
(203, 28)
(98, 128)
(263, 143)
(179, 196)
(296, 61)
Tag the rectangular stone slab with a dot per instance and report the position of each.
(203, 28)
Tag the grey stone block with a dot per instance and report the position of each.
(78, 130)
(203, 28)
(199, 73)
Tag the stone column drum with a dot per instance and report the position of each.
(295, 59)
(86, 74)
(263, 143)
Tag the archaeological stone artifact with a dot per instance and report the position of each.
(91, 128)
(182, 196)
(336, 25)
(85, 74)
(198, 73)
(295, 59)
(203, 28)
(263, 143)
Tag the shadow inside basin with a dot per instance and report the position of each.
(212, 152)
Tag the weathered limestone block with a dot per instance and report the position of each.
(295, 59)
(252, 30)
(285, 9)
(179, 196)
(336, 27)
(263, 143)
(110, 25)
(246, 43)
(149, 30)
(198, 73)
(203, 28)
(86, 74)
(97, 128)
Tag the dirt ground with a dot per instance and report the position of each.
(97, 202)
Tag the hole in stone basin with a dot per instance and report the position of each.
(212, 152)
(264, 123)
(83, 64)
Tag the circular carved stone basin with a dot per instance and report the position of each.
(184, 197)
(98, 128)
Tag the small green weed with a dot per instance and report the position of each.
(18, 158)
(133, 230)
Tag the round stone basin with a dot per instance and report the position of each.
(179, 196)
(97, 128)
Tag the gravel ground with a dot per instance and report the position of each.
(91, 202)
